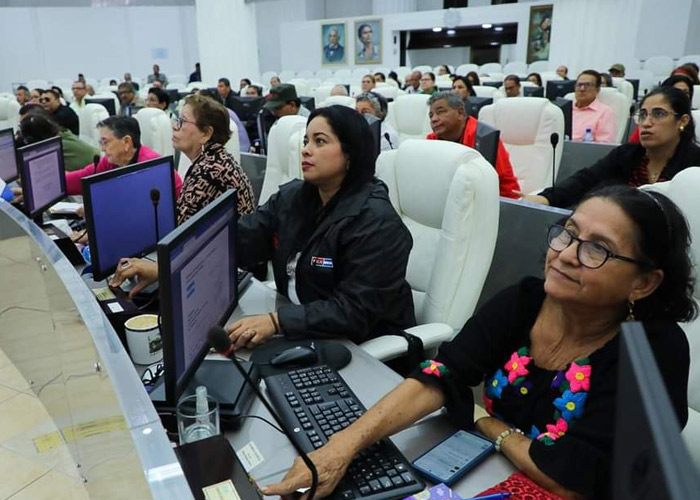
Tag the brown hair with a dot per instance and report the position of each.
(210, 113)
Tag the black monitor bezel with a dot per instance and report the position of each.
(11, 133)
(23, 174)
(87, 182)
(562, 102)
(241, 101)
(480, 102)
(480, 128)
(101, 101)
(166, 245)
(530, 91)
(569, 85)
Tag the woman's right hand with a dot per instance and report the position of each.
(145, 270)
(532, 198)
(331, 461)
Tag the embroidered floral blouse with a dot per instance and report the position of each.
(569, 414)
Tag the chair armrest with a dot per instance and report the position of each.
(389, 347)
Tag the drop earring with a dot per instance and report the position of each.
(630, 310)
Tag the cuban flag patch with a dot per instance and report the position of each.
(325, 262)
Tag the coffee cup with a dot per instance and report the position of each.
(143, 338)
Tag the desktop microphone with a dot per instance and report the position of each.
(95, 161)
(388, 139)
(155, 198)
(221, 342)
(554, 139)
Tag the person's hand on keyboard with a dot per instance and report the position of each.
(331, 461)
(145, 270)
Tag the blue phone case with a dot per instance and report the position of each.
(450, 459)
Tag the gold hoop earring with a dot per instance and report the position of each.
(682, 128)
(630, 310)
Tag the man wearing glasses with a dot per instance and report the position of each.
(131, 102)
(60, 113)
(79, 93)
(591, 114)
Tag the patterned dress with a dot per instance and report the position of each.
(213, 173)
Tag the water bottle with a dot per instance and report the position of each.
(588, 136)
(86, 254)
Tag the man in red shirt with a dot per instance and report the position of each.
(450, 122)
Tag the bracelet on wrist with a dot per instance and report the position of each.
(503, 435)
(275, 324)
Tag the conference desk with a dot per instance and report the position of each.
(370, 380)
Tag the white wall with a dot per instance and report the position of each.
(662, 31)
(434, 57)
(49, 43)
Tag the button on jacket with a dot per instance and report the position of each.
(350, 277)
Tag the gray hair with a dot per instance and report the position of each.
(374, 102)
(339, 87)
(334, 30)
(454, 100)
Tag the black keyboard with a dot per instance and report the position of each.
(316, 403)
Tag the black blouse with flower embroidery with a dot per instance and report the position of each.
(568, 414)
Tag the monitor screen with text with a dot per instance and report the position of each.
(43, 175)
(8, 156)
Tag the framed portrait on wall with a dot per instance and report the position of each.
(368, 40)
(539, 34)
(333, 44)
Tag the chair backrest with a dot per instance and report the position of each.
(402, 71)
(89, 117)
(382, 69)
(279, 169)
(66, 85)
(488, 68)
(689, 58)
(696, 97)
(408, 115)
(305, 74)
(321, 93)
(181, 79)
(526, 125)
(343, 75)
(286, 75)
(156, 130)
(9, 113)
(301, 86)
(463, 69)
(196, 85)
(538, 67)
(515, 67)
(388, 91)
(696, 119)
(423, 68)
(340, 100)
(324, 74)
(108, 95)
(660, 66)
(38, 84)
(485, 90)
(265, 77)
(454, 235)
(647, 79)
(358, 73)
(625, 87)
(620, 106)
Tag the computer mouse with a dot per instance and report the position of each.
(300, 355)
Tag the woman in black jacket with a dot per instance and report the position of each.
(667, 146)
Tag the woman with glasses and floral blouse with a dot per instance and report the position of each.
(547, 352)
(200, 134)
(667, 146)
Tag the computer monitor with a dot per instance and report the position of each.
(375, 126)
(496, 85)
(559, 88)
(8, 156)
(247, 108)
(120, 214)
(308, 102)
(43, 175)
(476, 103)
(486, 142)
(533, 91)
(197, 269)
(173, 95)
(567, 107)
(107, 102)
(650, 459)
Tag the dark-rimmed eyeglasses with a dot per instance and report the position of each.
(589, 253)
(151, 376)
(177, 122)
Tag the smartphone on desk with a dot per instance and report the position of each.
(452, 458)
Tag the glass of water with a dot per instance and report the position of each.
(197, 421)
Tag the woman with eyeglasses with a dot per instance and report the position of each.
(547, 352)
(120, 141)
(200, 133)
(667, 146)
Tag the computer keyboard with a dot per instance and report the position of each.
(315, 403)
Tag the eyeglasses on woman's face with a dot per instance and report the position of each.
(655, 115)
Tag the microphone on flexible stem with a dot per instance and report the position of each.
(220, 341)
(554, 139)
(155, 198)
(95, 161)
(388, 139)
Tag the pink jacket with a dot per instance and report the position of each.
(74, 186)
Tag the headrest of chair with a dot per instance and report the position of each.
(342, 100)
(278, 140)
(522, 120)
(9, 108)
(423, 172)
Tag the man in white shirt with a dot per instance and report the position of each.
(79, 93)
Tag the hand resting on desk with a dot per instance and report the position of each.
(252, 331)
(145, 270)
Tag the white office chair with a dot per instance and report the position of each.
(538, 67)
(88, 118)
(696, 97)
(196, 85)
(489, 68)
(286, 75)
(408, 115)
(38, 84)
(279, 169)
(343, 75)
(618, 104)
(382, 69)
(324, 74)
(179, 79)
(156, 130)
(321, 93)
(682, 189)
(301, 86)
(305, 74)
(9, 113)
(647, 79)
(515, 68)
(463, 69)
(501, 92)
(660, 66)
(454, 235)
(233, 146)
(485, 91)
(693, 58)
(402, 72)
(66, 85)
(388, 91)
(526, 125)
(107, 95)
(423, 68)
(625, 87)
(338, 100)
(696, 119)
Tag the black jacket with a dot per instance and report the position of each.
(350, 277)
(67, 118)
(616, 168)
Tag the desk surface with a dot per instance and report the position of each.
(370, 380)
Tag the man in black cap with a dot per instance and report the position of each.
(617, 70)
(283, 101)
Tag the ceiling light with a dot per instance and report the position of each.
(487, 26)
(498, 28)
(494, 43)
(451, 32)
(447, 46)
(437, 29)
